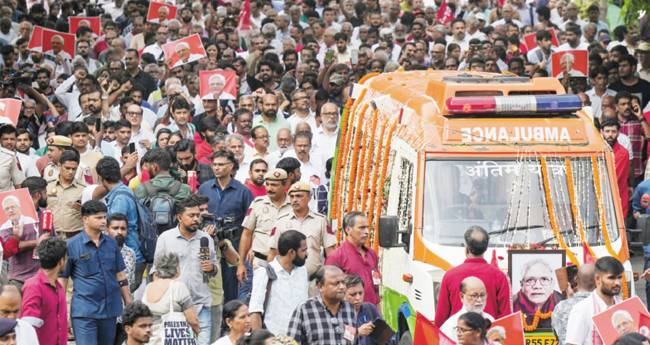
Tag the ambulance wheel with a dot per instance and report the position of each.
(406, 338)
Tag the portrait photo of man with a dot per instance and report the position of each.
(623, 322)
(163, 14)
(217, 83)
(57, 47)
(497, 335)
(185, 55)
(11, 207)
(4, 119)
(567, 62)
(537, 282)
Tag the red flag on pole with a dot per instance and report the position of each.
(588, 258)
(444, 14)
(245, 17)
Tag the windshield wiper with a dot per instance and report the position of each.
(515, 228)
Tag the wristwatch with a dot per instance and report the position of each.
(224, 247)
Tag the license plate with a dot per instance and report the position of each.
(541, 340)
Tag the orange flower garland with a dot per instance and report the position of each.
(355, 157)
(384, 168)
(337, 171)
(538, 316)
(346, 152)
(373, 184)
(572, 200)
(366, 77)
(371, 151)
(603, 222)
(362, 167)
(551, 212)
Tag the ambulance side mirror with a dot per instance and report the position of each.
(389, 233)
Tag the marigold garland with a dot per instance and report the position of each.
(371, 150)
(538, 316)
(573, 200)
(362, 166)
(366, 77)
(354, 168)
(603, 222)
(384, 168)
(551, 212)
(373, 184)
(339, 153)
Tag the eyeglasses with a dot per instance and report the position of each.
(482, 296)
(462, 331)
(544, 281)
(301, 98)
(162, 33)
(330, 114)
(263, 137)
(133, 114)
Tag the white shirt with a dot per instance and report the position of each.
(25, 333)
(258, 21)
(324, 145)
(566, 46)
(192, 58)
(28, 165)
(114, 11)
(452, 322)
(274, 157)
(624, 140)
(464, 44)
(137, 137)
(572, 73)
(503, 22)
(287, 292)
(69, 99)
(225, 340)
(294, 120)
(154, 50)
(597, 101)
(580, 326)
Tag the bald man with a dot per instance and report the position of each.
(473, 295)
(560, 317)
(285, 143)
(10, 301)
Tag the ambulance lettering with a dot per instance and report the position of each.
(517, 134)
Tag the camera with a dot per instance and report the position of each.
(221, 224)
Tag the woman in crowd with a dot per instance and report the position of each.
(472, 329)
(159, 292)
(236, 323)
(260, 337)
(162, 137)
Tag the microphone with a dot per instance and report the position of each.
(204, 254)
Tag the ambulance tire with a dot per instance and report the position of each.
(406, 338)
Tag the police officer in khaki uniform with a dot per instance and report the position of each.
(260, 220)
(56, 145)
(64, 194)
(11, 176)
(311, 224)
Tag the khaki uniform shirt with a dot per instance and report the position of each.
(90, 158)
(84, 173)
(10, 173)
(60, 200)
(319, 235)
(260, 218)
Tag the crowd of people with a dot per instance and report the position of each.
(236, 186)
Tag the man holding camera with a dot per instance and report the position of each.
(226, 250)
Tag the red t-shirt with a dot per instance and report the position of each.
(622, 165)
(255, 190)
(349, 258)
(42, 302)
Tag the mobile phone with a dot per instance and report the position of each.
(476, 47)
(131, 147)
(329, 55)
(78, 201)
(354, 56)
(98, 125)
(572, 275)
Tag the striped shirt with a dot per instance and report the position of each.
(634, 130)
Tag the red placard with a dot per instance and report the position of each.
(186, 50)
(35, 42)
(9, 110)
(510, 327)
(217, 85)
(17, 207)
(55, 42)
(428, 333)
(572, 61)
(531, 44)
(159, 15)
(615, 321)
(91, 22)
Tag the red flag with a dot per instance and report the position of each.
(427, 333)
(444, 14)
(587, 257)
(245, 17)
(494, 261)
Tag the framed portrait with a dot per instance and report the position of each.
(534, 283)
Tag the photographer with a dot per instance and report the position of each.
(221, 241)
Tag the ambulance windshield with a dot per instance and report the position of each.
(508, 199)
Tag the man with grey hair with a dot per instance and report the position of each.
(173, 26)
(163, 14)
(325, 135)
(184, 54)
(153, 70)
(566, 62)
(235, 144)
(269, 32)
(282, 22)
(285, 143)
(537, 291)
(497, 335)
(217, 84)
(473, 297)
(11, 207)
(623, 322)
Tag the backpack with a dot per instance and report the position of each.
(162, 205)
(146, 230)
(270, 272)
